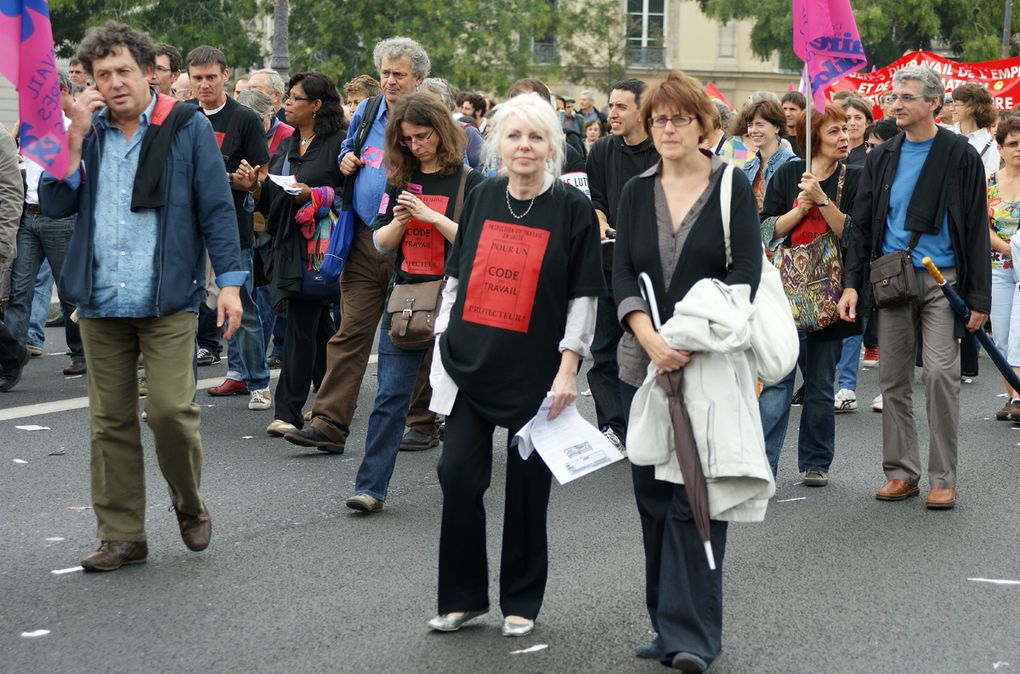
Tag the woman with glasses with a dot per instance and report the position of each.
(518, 315)
(313, 108)
(1004, 219)
(670, 227)
(801, 205)
(427, 182)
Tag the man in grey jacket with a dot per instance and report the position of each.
(13, 356)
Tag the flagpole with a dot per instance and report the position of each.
(807, 122)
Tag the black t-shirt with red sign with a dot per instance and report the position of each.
(240, 135)
(422, 253)
(516, 278)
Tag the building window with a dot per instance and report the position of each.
(728, 39)
(646, 32)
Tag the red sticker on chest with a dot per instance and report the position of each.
(504, 276)
(423, 247)
(219, 138)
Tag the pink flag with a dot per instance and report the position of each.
(825, 37)
(30, 64)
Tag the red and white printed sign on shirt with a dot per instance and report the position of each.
(504, 276)
(423, 246)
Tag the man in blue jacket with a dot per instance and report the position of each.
(146, 181)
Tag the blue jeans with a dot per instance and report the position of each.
(849, 359)
(816, 443)
(246, 350)
(40, 238)
(273, 327)
(40, 305)
(398, 370)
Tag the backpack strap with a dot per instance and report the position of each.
(164, 104)
(458, 205)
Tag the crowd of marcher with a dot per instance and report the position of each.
(199, 209)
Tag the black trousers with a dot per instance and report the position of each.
(683, 596)
(604, 376)
(309, 327)
(465, 471)
(208, 336)
(11, 353)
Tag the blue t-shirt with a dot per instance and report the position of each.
(939, 247)
(370, 180)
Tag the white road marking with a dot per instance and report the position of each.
(26, 411)
(995, 581)
(72, 569)
(37, 633)
(787, 500)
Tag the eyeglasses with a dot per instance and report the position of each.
(294, 97)
(420, 138)
(869, 146)
(677, 120)
(906, 98)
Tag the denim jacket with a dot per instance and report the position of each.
(782, 155)
(199, 215)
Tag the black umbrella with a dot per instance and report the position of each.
(962, 311)
(688, 458)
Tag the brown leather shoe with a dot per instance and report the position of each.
(941, 498)
(896, 490)
(1003, 414)
(112, 555)
(196, 530)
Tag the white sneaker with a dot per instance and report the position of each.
(260, 399)
(279, 428)
(846, 401)
(876, 404)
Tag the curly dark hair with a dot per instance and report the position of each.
(330, 117)
(103, 41)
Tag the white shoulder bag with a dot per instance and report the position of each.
(774, 337)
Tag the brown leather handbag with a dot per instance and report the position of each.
(413, 309)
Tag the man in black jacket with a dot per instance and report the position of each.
(922, 191)
(613, 161)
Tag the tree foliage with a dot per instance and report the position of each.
(228, 25)
(969, 29)
(475, 44)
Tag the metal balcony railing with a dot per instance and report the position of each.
(646, 57)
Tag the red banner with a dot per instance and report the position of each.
(1002, 78)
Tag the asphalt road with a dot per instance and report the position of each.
(294, 582)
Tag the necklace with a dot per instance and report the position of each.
(510, 208)
(306, 141)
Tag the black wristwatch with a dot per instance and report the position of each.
(230, 178)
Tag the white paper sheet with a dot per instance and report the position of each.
(286, 182)
(569, 445)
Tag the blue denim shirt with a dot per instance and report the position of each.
(124, 268)
(370, 180)
(782, 155)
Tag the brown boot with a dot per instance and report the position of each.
(1003, 414)
(195, 529)
(112, 555)
(896, 490)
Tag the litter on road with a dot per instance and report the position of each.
(531, 649)
(36, 633)
(59, 451)
(54, 539)
(20, 461)
(787, 500)
(62, 572)
(995, 581)
(33, 427)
